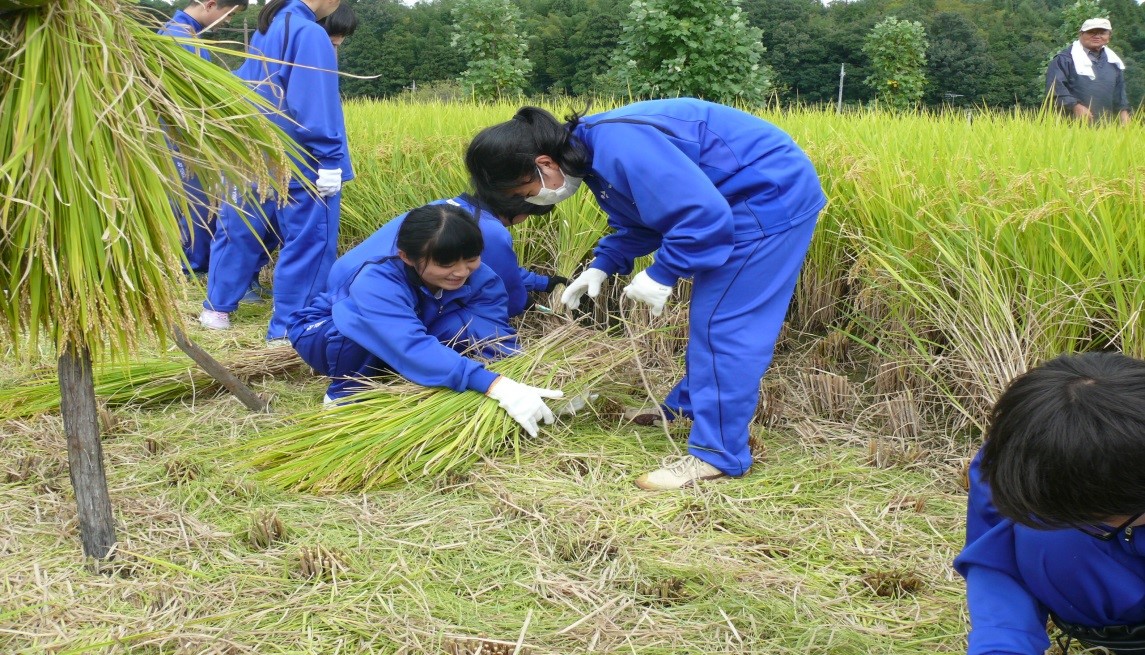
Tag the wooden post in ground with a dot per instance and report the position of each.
(85, 452)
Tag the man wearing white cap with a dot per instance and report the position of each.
(1087, 78)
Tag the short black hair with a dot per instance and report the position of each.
(343, 22)
(504, 156)
(1066, 442)
(441, 233)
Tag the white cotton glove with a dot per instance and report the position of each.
(576, 403)
(524, 403)
(329, 181)
(590, 281)
(649, 291)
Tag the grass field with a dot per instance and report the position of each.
(952, 255)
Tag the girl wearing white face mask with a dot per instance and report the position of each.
(717, 195)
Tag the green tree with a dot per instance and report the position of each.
(1076, 14)
(897, 50)
(488, 35)
(702, 48)
(958, 63)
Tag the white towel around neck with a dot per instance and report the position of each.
(1084, 66)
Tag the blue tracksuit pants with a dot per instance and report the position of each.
(333, 354)
(195, 229)
(735, 315)
(308, 230)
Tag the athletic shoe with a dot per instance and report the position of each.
(213, 320)
(278, 343)
(685, 472)
(256, 294)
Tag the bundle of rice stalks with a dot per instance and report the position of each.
(90, 100)
(145, 382)
(398, 431)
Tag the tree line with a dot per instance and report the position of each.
(962, 52)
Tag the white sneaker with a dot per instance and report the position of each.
(213, 320)
(278, 342)
(685, 472)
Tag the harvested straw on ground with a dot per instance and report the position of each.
(400, 431)
(145, 382)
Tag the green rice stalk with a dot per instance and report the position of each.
(89, 246)
(400, 431)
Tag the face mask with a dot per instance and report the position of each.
(553, 196)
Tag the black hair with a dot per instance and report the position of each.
(442, 233)
(267, 14)
(503, 156)
(506, 208)
(1066, 442)
(343, 22)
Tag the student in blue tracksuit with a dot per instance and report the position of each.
(414, 312)
(339, 26)
(305, 89)
(719, 196)
(498, 253)
(196, 228)
(1057, 497)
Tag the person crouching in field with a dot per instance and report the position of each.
(722, 197)
(196, 228)
(413, 313)
(1057, 497)
(497, 253)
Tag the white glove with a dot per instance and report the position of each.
(576, 403)
(524, 403)
(590, 281)
(647, 290)
(329, 181)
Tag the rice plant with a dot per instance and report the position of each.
(397, 431)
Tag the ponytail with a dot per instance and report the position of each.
(267, 14)
(502, 156)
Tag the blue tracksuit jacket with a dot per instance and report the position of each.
(197, 228)
(498, 253)
(376, 315)
(729, 200)
(305, 89)
(1016, 575)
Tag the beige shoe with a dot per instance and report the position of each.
(685, 472)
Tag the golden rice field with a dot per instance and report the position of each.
(952, 255)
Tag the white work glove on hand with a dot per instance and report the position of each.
(329, 181)
(524, 403)
(590, 281)
(647, 290)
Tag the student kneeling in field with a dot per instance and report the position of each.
(413, 313)
(1057, 497)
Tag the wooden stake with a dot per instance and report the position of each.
(245, 394)
(85, 452)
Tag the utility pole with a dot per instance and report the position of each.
(842, 74)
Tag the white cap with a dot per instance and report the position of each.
(1096, 24)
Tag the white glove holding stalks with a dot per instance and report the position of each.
(329, 181)
(524, 403)
(590, 281)
(649, 291)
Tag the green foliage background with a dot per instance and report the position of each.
(897, 50)
(982, 52)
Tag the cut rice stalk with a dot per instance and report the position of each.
(398, 431)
